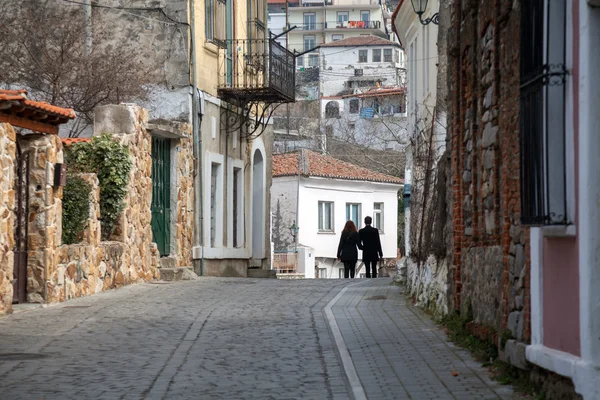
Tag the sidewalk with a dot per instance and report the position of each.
(399, 353)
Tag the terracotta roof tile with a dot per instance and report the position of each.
(21, 96)
(325, 166)
(70, 141)
(361, 41)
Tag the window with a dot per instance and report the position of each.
(365, 16)
(332, 110)
(261, 11)
(342, 16)
(300, 61)
(238, 214)
(354, 106)
(215, 203)
(325, 216)
(310, 20)
(309, 42)
(358, 72)
(216, 21)
(376, 55)
(378, 216)
(335, 38)
(362, 56)
(313, 60)
(542, 117)
(387, 55)
(353, 213)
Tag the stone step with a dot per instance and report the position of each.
(168, 262)
(262, 273)
(177, 274)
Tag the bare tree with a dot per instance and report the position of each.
(45, 48)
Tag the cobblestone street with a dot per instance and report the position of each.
(222, 338)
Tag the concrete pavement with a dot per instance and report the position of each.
(227, 338)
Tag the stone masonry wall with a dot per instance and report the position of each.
(491, 265)
(45, 212)
(185, 199)
(7, 217)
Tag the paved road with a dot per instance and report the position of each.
(221, 338)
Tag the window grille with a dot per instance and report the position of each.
(542, 113)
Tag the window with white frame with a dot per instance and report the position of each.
(215, 198)
(337, 37)
(310, 21)
(342, 16)
(362, 56)
(365, 16)
(378, 216)
(376, 55)
(542, 118)
(387, 55)
(309, 42)
(353, 211)
(325, 216)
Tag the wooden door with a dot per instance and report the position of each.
(161, 194)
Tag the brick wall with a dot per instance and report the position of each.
(491, 249)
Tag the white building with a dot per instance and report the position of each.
(325, 21)
(420, 44)
(321, 197)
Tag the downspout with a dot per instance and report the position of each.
(197, 150)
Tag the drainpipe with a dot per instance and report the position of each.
(198, 201)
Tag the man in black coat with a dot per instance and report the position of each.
(371, 245)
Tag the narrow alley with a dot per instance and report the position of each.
(227, 338)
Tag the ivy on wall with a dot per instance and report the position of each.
(76, 209)
(110, 161)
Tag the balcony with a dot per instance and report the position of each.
(309, 26)
(256, 70)
(336, 3)
(353, 25)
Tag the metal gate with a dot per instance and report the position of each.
(21, 227)
(161, 194)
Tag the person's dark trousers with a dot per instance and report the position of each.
(368, 266)
(349, 269)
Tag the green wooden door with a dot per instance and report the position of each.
(161, 194)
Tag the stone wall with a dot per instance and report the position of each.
(491, 263)
(7, 217)
(45, 212)
(184, 209)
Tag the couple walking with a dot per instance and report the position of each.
(367, 240)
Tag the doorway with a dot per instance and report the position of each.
(21, 227)
(161, 194)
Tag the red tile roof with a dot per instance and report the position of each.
(361, 41)
(381, 91)
(70, 141)
(325, 166)
(20, 96)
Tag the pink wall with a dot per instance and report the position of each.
(560, 293)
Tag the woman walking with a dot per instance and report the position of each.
(347, 249)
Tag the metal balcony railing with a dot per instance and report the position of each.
(353, 25)
(257, 70)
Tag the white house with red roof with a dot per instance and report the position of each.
(319, 197)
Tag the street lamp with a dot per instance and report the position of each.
(420, 6)
(294, 232)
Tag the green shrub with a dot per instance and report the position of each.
(111, 163)
(76, 209)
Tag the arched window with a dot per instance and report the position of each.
(354, 106)
(332, 110)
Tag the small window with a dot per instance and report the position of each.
(353, 213)
(376, 55)
(378, 216)
(300, 61)
(354, 106)
(335, 38)
(313, 60)
(387, 55)
(325, 216)
(358, 72)
(362, 56)
(332, 110)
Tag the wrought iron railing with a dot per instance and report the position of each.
(353, 25)
(260, 69)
